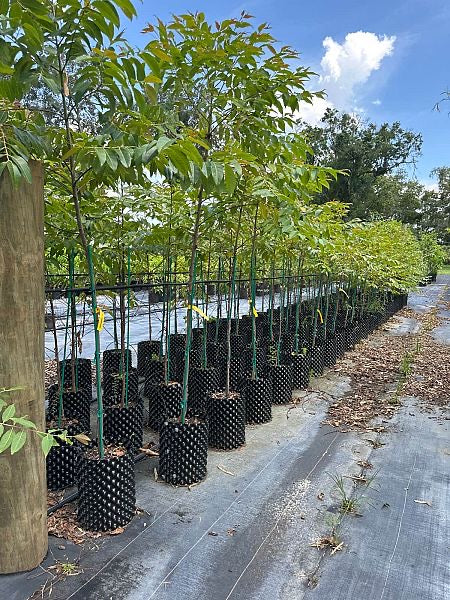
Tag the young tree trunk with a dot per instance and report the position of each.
(23, 493)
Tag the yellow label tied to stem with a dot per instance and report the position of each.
(199, 311)
(320, 315)
(101, 318)
(254, 311)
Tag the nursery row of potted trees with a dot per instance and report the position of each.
(203, 385)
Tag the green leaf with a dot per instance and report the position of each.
(47, 443)
(19, 440)
(6, 440)
(24, 422)
(127, 8)
(8, 412)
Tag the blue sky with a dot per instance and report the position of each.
(394, 70)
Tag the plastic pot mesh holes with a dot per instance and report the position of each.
(154, 375)
(164, 403)
(146, 349)
(76, 405)
(281, 376)
(124, 425)
(301, 365)
(83, 374)
(257, 395)
(183, 452)
(201, 383)
(62, 461)
(112, 361)
(113, 384)
(330, 352)
(317, 353)
(107, 494)
(226, 417)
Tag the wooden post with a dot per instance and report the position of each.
(23, 491)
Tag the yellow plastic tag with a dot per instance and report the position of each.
(101, 318)
(320, 315)
(254, 311)
(199, 311)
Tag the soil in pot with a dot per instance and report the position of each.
(183, 451)
(106, 487)
(226, 419)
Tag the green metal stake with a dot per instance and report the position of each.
(101, 450)
(127, 368)
(69, 305)
(188, 345)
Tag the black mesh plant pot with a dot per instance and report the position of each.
(83, 374)
(257, 394)
(317, 354)
(236, 367)
(164, 403)
(226, 419)
(197, 336)
(76, 405)
(301, 365)
(287, 343)
(329, 352)
(154, 375)
(177, 342)
(106, 488)
(237, 343)
(62, 460)
(340, 343)
(146, 349)
(183, 451)
(195, 357)
(176, 364)
(113, 384)
(124, 425)
(112, 361)
(281, 376)
(202, 382)
(261, 359)
(212, 353)
(350, 339)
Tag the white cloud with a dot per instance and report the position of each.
(345, 68)
(430, 187)
(377, 102)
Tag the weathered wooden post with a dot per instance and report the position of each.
(23, 506)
